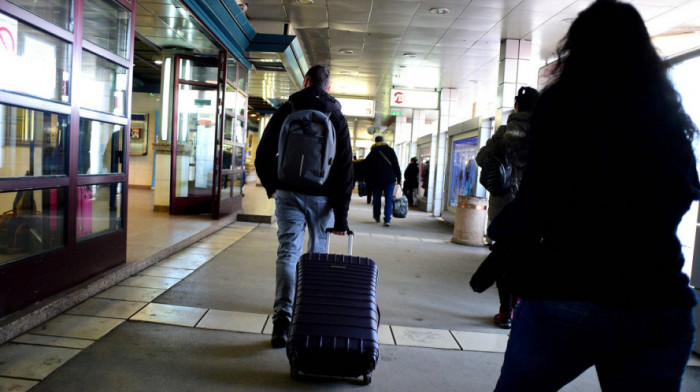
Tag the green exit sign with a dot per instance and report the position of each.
(395, 112)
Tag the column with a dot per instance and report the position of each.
(436, 182)
(513, 73)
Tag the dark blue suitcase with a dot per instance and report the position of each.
(335, 318)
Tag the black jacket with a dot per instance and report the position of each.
(380, 171)
(410, 176)
(338, 187)
(597, 211)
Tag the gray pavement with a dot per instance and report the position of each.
(422, 288)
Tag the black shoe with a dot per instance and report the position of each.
(280, 333)
(376, 219)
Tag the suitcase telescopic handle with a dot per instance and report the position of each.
(351, 234)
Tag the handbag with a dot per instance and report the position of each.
(400, 206)
(362, 189)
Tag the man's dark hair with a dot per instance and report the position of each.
(320, 76)
(379, 138)
(527, 99)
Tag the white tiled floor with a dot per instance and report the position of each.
(233, 321)
(34, 355)
(16, 385)
(423, 337)
(81, 327)
(103, 307)
(170, 314)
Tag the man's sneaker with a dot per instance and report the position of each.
(280, 333)
(504, 320)
(376, 219)
(387, 224)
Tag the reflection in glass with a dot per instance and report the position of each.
(106, 24)
(58, 12)
(37, 64)
(238, 162)
(229, 128)
(103, 85)
(32, 142)
(242, 78)
(33, 222)
(198, 70)
(226, 172)
(99, 210)
(100, 147)
(231, 67)
(196, 124)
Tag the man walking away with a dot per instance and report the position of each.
(410, 180)
(300, 205)
(383, 172)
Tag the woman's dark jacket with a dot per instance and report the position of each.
(509, 140)
(597, 211)
(338, 186)
(381, 172)
(410, 176)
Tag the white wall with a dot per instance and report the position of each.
(141, 166)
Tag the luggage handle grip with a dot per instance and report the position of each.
(351, 234)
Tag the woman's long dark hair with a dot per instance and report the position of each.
(607, 55)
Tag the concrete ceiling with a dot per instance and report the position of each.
(372, 45)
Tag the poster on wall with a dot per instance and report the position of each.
(464, 173)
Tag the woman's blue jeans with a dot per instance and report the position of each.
(296, 211)
(553, 342)
(388, 201)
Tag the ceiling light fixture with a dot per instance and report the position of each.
(346, 51)
(158, 62)
(305, 2)
(439, 11)
(409, 54)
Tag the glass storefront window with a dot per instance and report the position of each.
(196, 127)
(239, 136)
(32, 142)
(99, 210)
(230, 99)
(106, 24)
(231, 67)
(58, 12)
(242, 78)
(241, 105)
(36, 64)
(103, 85)
(198, 70)
(33, 222)
(238, 163)
(100, 147)
(226, 173)
(464, 170)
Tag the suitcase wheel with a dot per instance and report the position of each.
(367, 379)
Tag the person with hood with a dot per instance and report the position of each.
(382, 173)
(510, 140)
(299, 206)
(410, 180)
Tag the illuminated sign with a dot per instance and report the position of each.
(415, 99)
(357, 107)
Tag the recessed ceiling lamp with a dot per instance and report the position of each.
(439, 11)
(158, 62)
(409, 54)
(346, 51)
(305, 2)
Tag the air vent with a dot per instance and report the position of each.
(268, 66)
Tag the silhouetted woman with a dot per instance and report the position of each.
(592, 231)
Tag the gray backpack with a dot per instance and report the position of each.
(306, 148)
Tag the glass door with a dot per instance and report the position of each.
(194, 135)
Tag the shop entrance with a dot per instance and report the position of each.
(196, 136)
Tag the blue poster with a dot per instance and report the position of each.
(464, 169)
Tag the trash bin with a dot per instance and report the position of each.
(470, 220)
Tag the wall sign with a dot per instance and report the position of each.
(416, 99)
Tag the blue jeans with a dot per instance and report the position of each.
(553, 342)
(296, 211)
(388, 201)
